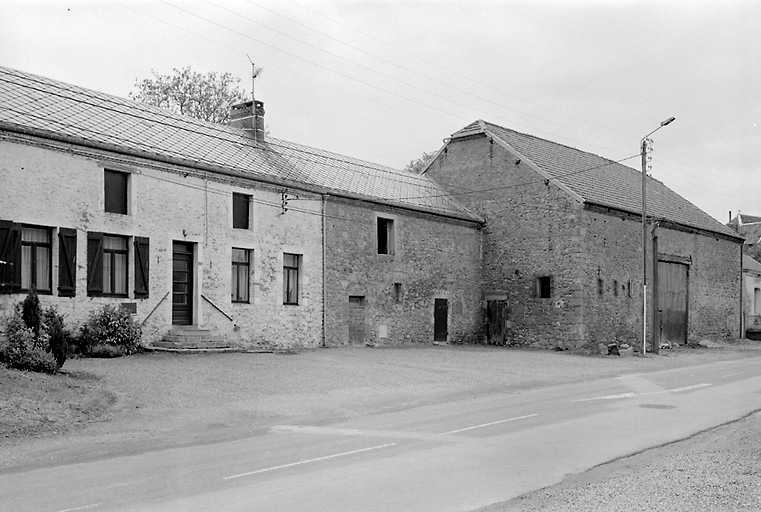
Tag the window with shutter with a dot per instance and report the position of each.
(10, 257)
(67, 262)
(141, 267)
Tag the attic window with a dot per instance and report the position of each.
(385, 236)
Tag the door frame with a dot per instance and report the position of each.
(656, 313)
(192, 293)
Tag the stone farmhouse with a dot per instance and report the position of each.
(222, 235)
(562, 245)
(214, 233)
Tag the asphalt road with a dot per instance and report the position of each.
(456, 456)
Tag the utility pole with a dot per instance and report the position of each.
(644, 153)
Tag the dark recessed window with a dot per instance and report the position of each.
(385, 236)
(116, 191)
(291, 264)
(544, 287)
(241, 211)
(241, 274)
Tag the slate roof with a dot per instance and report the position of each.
(41, 106)
(600, 181)
(747, 219)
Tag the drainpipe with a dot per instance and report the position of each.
(324, 279)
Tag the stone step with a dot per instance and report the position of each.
(193, 337)
(192, 345)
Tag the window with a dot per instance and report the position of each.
(291, 278)
(544, 287)
(241, 273)
(108, 263)
(116, 191)
(241, 211)
(385, 236)
(35, 258)
(398, 291)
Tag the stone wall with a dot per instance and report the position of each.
(63, 186)
(393, 295)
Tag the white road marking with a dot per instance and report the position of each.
(731, 374)
(489, 424)
(80, 508)
(308, 461)
(634, 395)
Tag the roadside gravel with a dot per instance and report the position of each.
(717, 470)
(163, 400)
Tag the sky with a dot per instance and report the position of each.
(387, 80)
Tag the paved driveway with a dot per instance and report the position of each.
(167, 400)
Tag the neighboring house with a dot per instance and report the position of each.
(748, 227)
(751, 298)
(562, 245)
(218, 228)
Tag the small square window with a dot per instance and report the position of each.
(241, 211)
(544, 287)
(385, 236)
(291, 265)
(241, 274)
(116, 194)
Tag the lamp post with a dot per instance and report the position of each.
(643, 153)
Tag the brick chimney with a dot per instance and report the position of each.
(243, 116)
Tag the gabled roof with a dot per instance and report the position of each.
(747, 219)
(47, 108)
(597, 180)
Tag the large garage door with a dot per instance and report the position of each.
(672, 301)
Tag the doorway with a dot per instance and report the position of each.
(496, 318)
(182, 283)
(440, 320)
(672, 301)
(356, 319)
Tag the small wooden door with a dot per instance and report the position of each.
(440, 319)
(356, 319)
(672, 301)
(496, 319)
(182, 283)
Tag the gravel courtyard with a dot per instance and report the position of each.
(165, 399)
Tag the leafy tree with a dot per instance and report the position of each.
(203, 96)
(419, 164)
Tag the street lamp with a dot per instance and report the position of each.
(643, 153)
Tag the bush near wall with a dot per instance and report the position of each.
(109, 332)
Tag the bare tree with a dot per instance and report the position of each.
(203, 96)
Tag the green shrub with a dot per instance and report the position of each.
(58, 337)
(109, 326)
(31, 313)
(19, 351)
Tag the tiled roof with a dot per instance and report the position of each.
(600, 181)
(50, 108)
(748, 219)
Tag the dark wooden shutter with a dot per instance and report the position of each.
(10, 257)
(94, 263)
(67, 262)
(141, 267)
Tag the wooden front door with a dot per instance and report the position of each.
(496, 318)
(440, 315)
(672, 301)
(356, 319)
(182, 283)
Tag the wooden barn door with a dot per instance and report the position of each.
(496, 318)
(672, 301)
